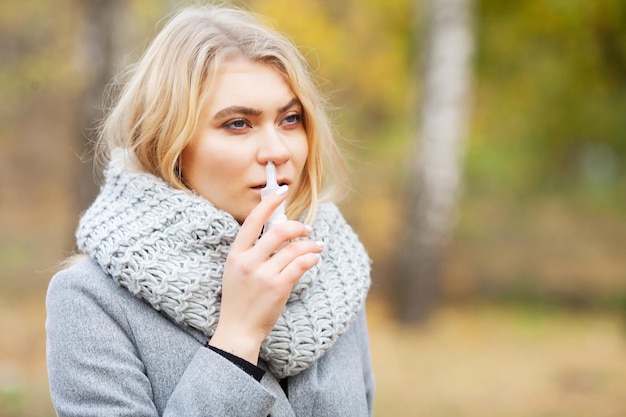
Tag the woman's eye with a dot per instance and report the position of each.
(292, 119)
(238, 124)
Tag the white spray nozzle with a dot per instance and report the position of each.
(271, 187)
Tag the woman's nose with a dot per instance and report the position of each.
(272, 147)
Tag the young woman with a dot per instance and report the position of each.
(183, 305)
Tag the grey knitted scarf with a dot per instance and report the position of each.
(169, 247)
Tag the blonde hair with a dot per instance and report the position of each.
(158, 108)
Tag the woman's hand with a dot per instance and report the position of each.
(258, 277)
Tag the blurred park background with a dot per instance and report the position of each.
(528, 319)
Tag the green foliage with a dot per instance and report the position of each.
(551, 89)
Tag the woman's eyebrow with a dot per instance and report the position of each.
(234, 110)
(292, 103)
(249, 111)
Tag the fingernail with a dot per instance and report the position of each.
(308, 228)
(282, 190)
(319, 243)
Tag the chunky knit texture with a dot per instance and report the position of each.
(169, 248)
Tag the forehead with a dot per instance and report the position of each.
(248, 83)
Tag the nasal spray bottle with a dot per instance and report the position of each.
(271, 186)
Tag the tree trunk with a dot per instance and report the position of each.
(436, 170)
(102, 41)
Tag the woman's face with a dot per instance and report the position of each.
(251, 117)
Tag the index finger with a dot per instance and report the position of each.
(252, 225)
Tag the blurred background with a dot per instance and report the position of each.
(522, 313)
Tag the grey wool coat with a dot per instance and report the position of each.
(111, 354)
